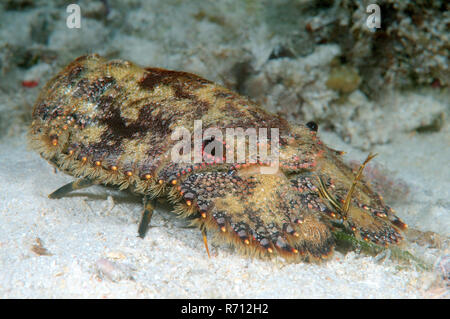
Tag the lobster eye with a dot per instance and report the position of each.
(312, 126)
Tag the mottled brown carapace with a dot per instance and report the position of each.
(110, 122)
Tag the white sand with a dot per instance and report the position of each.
(95, 252)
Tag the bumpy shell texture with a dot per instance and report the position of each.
(111, 122)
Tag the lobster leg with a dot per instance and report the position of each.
(72, 186)
(149, 206)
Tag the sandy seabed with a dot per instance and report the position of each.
(85, 245)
